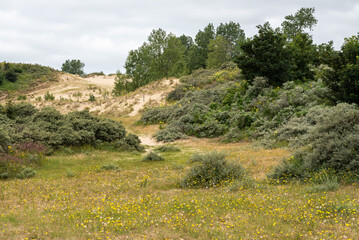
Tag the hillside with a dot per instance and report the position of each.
(72, 92)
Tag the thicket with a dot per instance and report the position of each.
(220, 103)
(22, 123)
(330, 136)
(27, 134)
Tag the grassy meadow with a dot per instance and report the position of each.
(75, 196)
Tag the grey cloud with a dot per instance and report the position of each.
(101, 33)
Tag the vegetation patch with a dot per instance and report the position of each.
(211, 170)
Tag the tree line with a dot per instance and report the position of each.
(278, 54)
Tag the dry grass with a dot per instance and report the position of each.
(143, 200)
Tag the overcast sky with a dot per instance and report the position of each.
(101, 32)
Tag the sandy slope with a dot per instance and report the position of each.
(73, 92)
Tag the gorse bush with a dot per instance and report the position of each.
(211, 170)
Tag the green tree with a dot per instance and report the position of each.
(138, 65)
(266, 55)
(198, 53)
(219, 52)
(343, 77)
(73, 66)
(302, 19)
(303, 55)
(173, 58)
(233, 33)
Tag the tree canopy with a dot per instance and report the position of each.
(73, 66)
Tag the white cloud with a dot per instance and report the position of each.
(101, 32)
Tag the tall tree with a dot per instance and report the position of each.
(343, 77)
(200, 51)
(297, 23)
(173, 58)
(266, 55)
(233, 33)
(219, 52)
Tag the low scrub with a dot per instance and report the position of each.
(167, 148)
(152, 157)
(23, 123)
(211, 170)
(333, 143)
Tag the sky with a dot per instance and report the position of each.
(101, 32)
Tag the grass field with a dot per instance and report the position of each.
(73, 197)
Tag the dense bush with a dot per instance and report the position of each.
(18, 75)
(211, 170)
(22, 123)
(332, 138)
(234, 109)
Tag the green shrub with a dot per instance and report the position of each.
(167, 148)
(333, 143)
(169, 134)
(152, 157)
(92, 98)
(325, 180)
(211, 170)
(49, 96)
(110, 167)
(21, 97)
(26, 173)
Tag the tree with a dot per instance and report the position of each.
(198, 55)
(303, 55)
(173, 58)
(219, 52)
(233, 33)
(73, 66)
(303, 19)
(266, 55)
(343, 77)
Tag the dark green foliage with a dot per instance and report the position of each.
(152, 157)
(167, 148)
(211, 170)
(343, 77)
(21, 97)
(266, 55)
(73, 66)
(226, 106)
(218, 52)
(14, 76)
